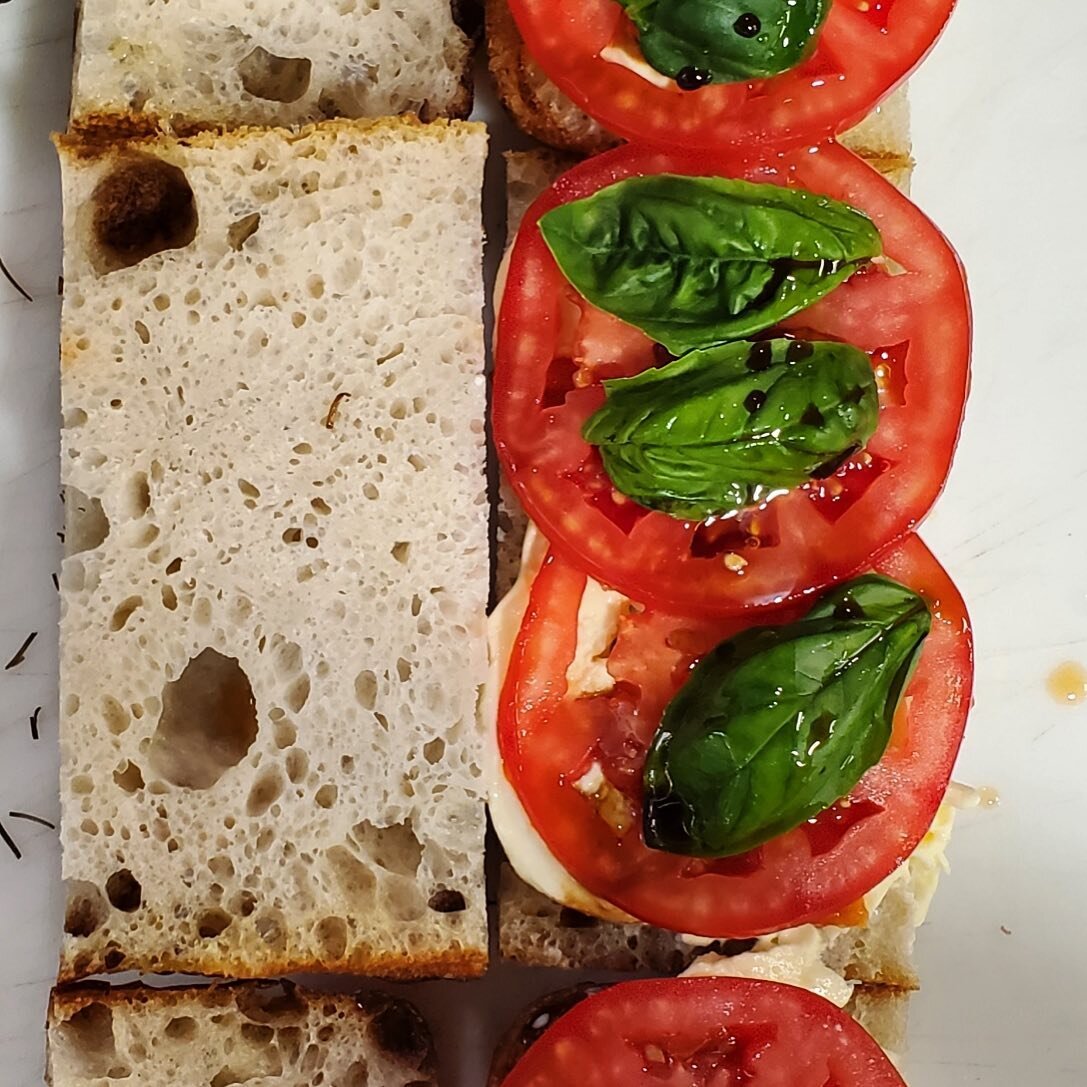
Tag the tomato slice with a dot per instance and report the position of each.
(705, 1032)
(865, 49)
(550, 740)
(911, 314)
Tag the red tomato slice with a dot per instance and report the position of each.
(705, 1032)
(549, 741)
(911, 314)
(866, 48)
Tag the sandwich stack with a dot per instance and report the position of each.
(283, 709)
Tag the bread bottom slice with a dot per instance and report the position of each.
(543, 111)
(534, 930)
(264, 1031)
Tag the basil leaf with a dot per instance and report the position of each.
(699, 260)
(728, 40)
(729, 427)
(778, 723)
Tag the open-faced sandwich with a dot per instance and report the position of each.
(729, 684)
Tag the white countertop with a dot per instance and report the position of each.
(1000, 127)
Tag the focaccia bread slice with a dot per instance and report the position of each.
(543, 111)
(192, 63)
(272, 633)
(259, 1032)
(536, 931)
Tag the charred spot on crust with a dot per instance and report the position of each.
(142, 207)
(569, 918)
(397, 1028)
(446, 901)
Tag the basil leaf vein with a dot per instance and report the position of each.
(777, 724)
(693, 261)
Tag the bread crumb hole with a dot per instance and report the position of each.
(434, 751)
(326, 796)
(403, 669)
(331, 934)
(182, 1028)
(297, 763)
(395, 848)
(86, 524)
(400, 551)
(86, 910)
(358, 1075)
(366, 689)
(211, 924)
(315, 287)
(257, 1034)
(240, 231)
(273, 78)
(270, 929)
(208, 722)
(143, 332)
(298, 693)
(128, 777)
(243, 904)
(124, 891)
(123, 612)
(248, 489)
(169, 598)
(88, 1042)
(266, 790)
(115, 715)
(285, 734)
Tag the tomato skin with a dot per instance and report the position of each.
(863, 53)
(918, 323)
(700, 1031)
(548, 741)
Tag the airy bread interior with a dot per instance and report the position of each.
(239, 62)
(273, 598)
(249, 1033)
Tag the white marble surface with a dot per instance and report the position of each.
(1000, 119)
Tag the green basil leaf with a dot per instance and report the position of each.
(778, 723)
(725, 41)
(693, 261)
(731, 426)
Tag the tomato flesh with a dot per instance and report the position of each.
(549, 740)
(865, 49)
(705, 1032)
(911, 314)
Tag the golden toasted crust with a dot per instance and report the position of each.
(100, 134)
(535, 104)
(421, 965)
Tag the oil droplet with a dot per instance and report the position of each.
(1067, 683)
